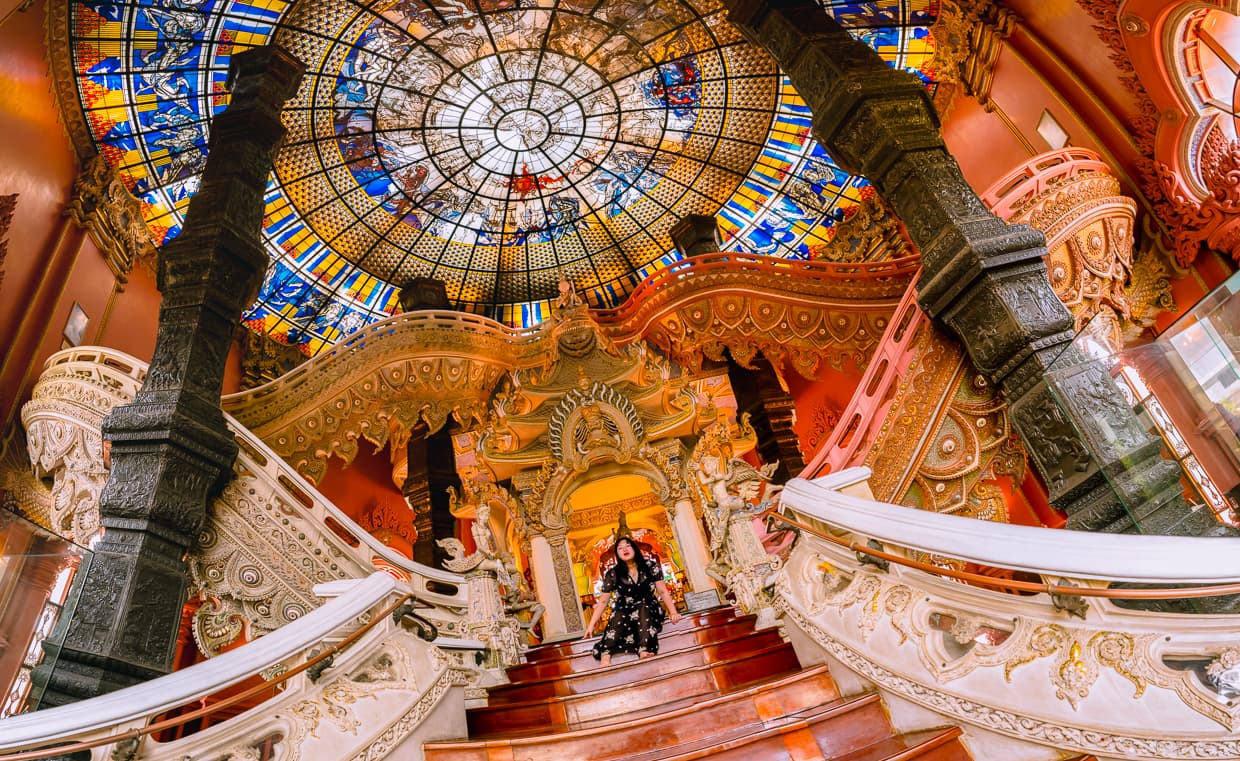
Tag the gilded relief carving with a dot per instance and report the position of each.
(105, 208)
(956, 426)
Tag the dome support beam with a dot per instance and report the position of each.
(983, 279)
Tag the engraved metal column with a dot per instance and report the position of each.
(982, 278)
(171, 450)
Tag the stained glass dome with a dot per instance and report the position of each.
(493, 144)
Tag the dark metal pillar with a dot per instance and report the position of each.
(170, 447)
(983, 279)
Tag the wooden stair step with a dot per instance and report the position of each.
(790, 737)
(562, 713)
(928, 745)
(635, 671)
(625, 737)
(582, 661)
(688, 622)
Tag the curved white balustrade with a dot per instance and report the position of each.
(1052, 552)
(1028, 676)
(137, 703)
(382, 696)
(269, 519)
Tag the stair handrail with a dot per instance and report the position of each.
(352, 599)
(870, 402)
(1126, 558)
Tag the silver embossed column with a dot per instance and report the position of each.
(982, 278)
(171, 450)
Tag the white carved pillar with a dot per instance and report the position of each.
(547, 588)
(751, 568)
(693, 547)
(486, 619)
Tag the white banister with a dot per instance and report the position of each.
(135, 704)
(1052, 552)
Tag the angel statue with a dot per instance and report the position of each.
(733, 485)
(485, 556)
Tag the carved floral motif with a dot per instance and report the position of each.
(956, 427)
(105, 208)
(1214, 221)
(871, 233)
(955, 636)
(968, 37)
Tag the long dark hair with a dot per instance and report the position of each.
(622, 568)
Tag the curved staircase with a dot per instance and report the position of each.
(718, 689)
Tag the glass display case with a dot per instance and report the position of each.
(1183, 386)
(37, 569)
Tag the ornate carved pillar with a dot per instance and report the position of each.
(693, 545)
(429, 469)
(171, 449)
(772, 411)
(982, 278)
(545, 558)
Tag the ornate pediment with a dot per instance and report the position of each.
(592, 424)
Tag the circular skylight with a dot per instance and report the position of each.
(496, 145)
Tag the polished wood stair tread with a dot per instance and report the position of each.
(688, 623)
(637, 698)
(911, 745)
(742, 736)
(635, 670)
(720, 689)
(808, 689)
(583, 661)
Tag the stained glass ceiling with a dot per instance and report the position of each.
(493, 144)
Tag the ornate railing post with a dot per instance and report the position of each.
(982, 278)
(171, 450)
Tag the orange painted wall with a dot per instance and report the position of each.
(815, 399)
(134, 317)
(36, 162)
(51, 263)
(355, 488)
(988, 145)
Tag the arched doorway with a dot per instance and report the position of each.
(596, 507)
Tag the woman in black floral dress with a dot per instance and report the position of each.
(636, 617)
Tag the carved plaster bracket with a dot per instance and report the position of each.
(105, 208)
(968, 37)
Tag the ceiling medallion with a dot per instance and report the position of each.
(490, 144)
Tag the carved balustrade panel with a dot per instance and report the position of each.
(381, 383)
(267, 540)
(946, 434)
(797, 314)
(1021, 666)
